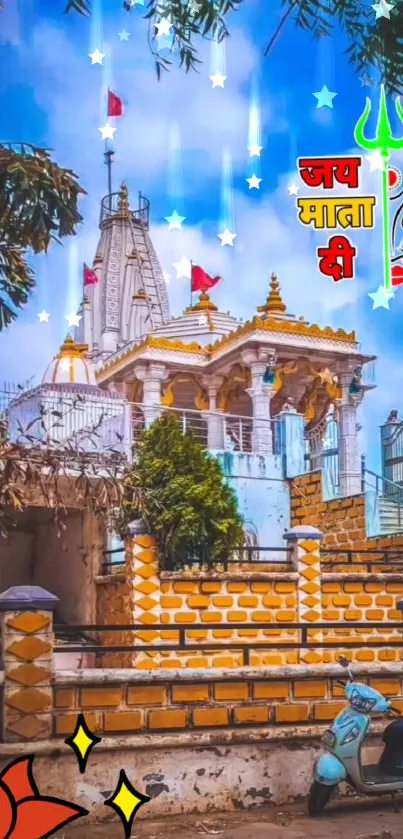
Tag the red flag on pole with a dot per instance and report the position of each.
(397, 275)
(201, 281)
(115, 105)
(90, 277)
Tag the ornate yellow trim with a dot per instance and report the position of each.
(204, 305)
(289, 327)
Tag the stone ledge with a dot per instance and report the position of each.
(356, 577)
(230, 576)
(197, 740)
(287, 672)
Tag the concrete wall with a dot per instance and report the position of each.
(16, 558)
(263, 496)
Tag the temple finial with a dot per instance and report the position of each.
(204, 304)
(123, 200)
(274, 303)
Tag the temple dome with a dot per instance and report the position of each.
(201, 322)
(70, 366)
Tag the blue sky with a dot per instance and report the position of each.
(170, 143)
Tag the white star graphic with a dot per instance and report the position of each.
(227, 238)
(203, 320)
(218, 80)
(381, 297)
(107, 131)
(96, 57)
(382, 9)
(375, 161)
(73, 320)
(43, 316)
(254, 150)
(163, 26)
(65, 365)
(253, 182)
(293, 189)
(325, 97)
(194, 7)
(175, 221)
(183, 268)
(123, 35)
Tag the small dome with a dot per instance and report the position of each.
(70, 366)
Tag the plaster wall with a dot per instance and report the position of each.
(263, 496)
(16, 557)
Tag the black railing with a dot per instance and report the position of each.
(252, 556)
(388, 557)
(245, 647)
(110, 207)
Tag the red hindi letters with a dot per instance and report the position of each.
(322, 171)
(337, 259)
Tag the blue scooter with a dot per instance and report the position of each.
(341, 758)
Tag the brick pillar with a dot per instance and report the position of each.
(304, 542)
(143, 572)
(26, 620)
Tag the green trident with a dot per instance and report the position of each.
(384, 142)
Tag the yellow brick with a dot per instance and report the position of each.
(185, 617)
(388, 687)
(237, 616)
(272, 601)
(237, 587)
(341, 600)
(247, 600)
(101, 697)
(211, 587)
(395, 587)
(231, 690)
(123, 720)
(197, 661)
(273, 659)
(147, 695)
(185, 587)
(387, 655)
(373, 587)
(197, 601)
(292, 713)
(190, 693)
(248, 633)
(171, 663)
(169, 635)
(64, 698)
(211, 617)
(250, 715)
(66, 723)
(384, 600)
(292, 658)
(331, 588)
(146, 587)
(353, 587)
(291, 601)
(310, 689)
(209, 717)
(197, 634)
(330, 615)
(168, 718)
(310, 657)
(284, 588)
(143, 541)
(363, 600)
(171, 602)
(224, 661)
(222, 601)
(328, 710)
(262, 616)
(271, 690)
(146, 664)
(261, 587)
(286, 615)
(147, 618)
(222, 633)
(352, 615)
(374, 614)
(394, 615)
(165, 586)
(365, 655)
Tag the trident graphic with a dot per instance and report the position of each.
(384, 142)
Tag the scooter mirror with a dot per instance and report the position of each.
(343, 661)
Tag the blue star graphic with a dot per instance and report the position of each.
(381, 297)
(325, 97)
(165, 42)
(174, 221)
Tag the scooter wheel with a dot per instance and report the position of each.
(319, 796)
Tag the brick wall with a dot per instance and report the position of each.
(114, 606)
(202, 702)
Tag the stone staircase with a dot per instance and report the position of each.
(390, 516)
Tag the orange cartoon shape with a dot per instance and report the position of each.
(24, 813)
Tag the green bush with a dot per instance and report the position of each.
(179, 491)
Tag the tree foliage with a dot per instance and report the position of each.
(188, 507)
(38, 203)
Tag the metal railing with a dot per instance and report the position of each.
(244, 555)
(110, 207)
(243, 646)
(392, 558)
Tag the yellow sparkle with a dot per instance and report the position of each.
(125, 801)
(82, 741)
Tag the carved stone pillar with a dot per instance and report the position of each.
(215, 422)
(349, 457)
(261, 394)
(152, 375)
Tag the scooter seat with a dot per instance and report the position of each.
(393, 734)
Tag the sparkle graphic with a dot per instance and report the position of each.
(376, 161)
(73, 320)
(175, 221)
(325, 97)
(96, 57)
(293, 189)
(218, 80)
(107, 131)
(164, 26)
(382, 9)
(366, 80)
(203, 320)
(227, 238)
(194, 7)
(253, 182)
(126, 801)
(183, 268)
(43, 316)
(381, 297)
(65, 365)
(82, 741)
(254, 151)
(123, 35)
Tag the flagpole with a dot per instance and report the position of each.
(108, 155)
(191, 271)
